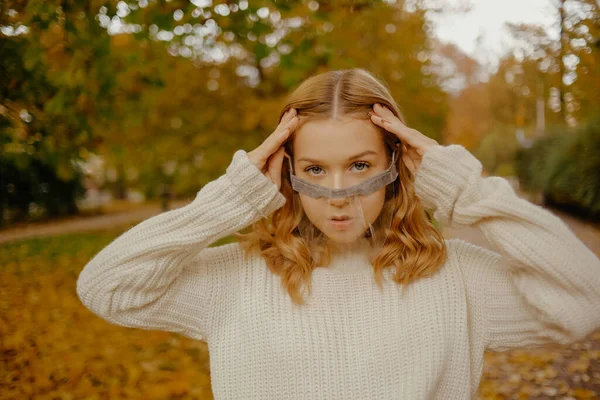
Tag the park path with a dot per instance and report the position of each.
(86, 224)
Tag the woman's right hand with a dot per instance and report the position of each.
(268, 157)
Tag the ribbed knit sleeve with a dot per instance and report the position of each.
(160, 274)
(542, 286)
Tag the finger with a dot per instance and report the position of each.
(287, 116)
(281, 127)
(395, 126)
(386, 113)
(275, 166)
(383, 111)
(276, 159)
(277, 138)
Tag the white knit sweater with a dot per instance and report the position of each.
(351, 341)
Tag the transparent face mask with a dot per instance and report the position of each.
(344, 207)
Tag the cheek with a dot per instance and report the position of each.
(373, 204)
(310, 207)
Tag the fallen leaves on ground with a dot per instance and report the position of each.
(52, 347)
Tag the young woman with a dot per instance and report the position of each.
(409, 321)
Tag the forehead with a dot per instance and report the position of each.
(326, 139)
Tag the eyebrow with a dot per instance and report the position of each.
(364, 153)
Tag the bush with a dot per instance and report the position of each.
(565, 167)
(36, 185)
(497, 149)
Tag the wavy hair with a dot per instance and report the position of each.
(412, 244)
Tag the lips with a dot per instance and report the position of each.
(341, 224)
(340, 218)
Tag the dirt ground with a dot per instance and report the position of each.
(109, 220)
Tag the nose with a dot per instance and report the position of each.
(339, 202)
(339, 183)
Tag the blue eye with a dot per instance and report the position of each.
(311, 169)
(365, 166)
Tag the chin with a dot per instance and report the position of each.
(343, 237)
(342, 241)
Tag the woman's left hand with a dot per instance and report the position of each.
(414, 143)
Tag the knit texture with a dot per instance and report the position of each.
(351, 340)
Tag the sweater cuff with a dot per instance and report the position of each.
(443, 174)
(253, 185)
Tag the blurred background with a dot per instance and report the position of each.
(114, 111)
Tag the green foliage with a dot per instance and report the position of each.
(58, 88)
(496, 150)
(36, 191)
(565, 166)
(225, 240)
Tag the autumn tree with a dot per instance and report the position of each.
(55, 85)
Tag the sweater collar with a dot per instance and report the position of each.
(352, 257)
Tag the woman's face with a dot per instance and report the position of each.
(324, 154)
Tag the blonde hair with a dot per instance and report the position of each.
(413, 244)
